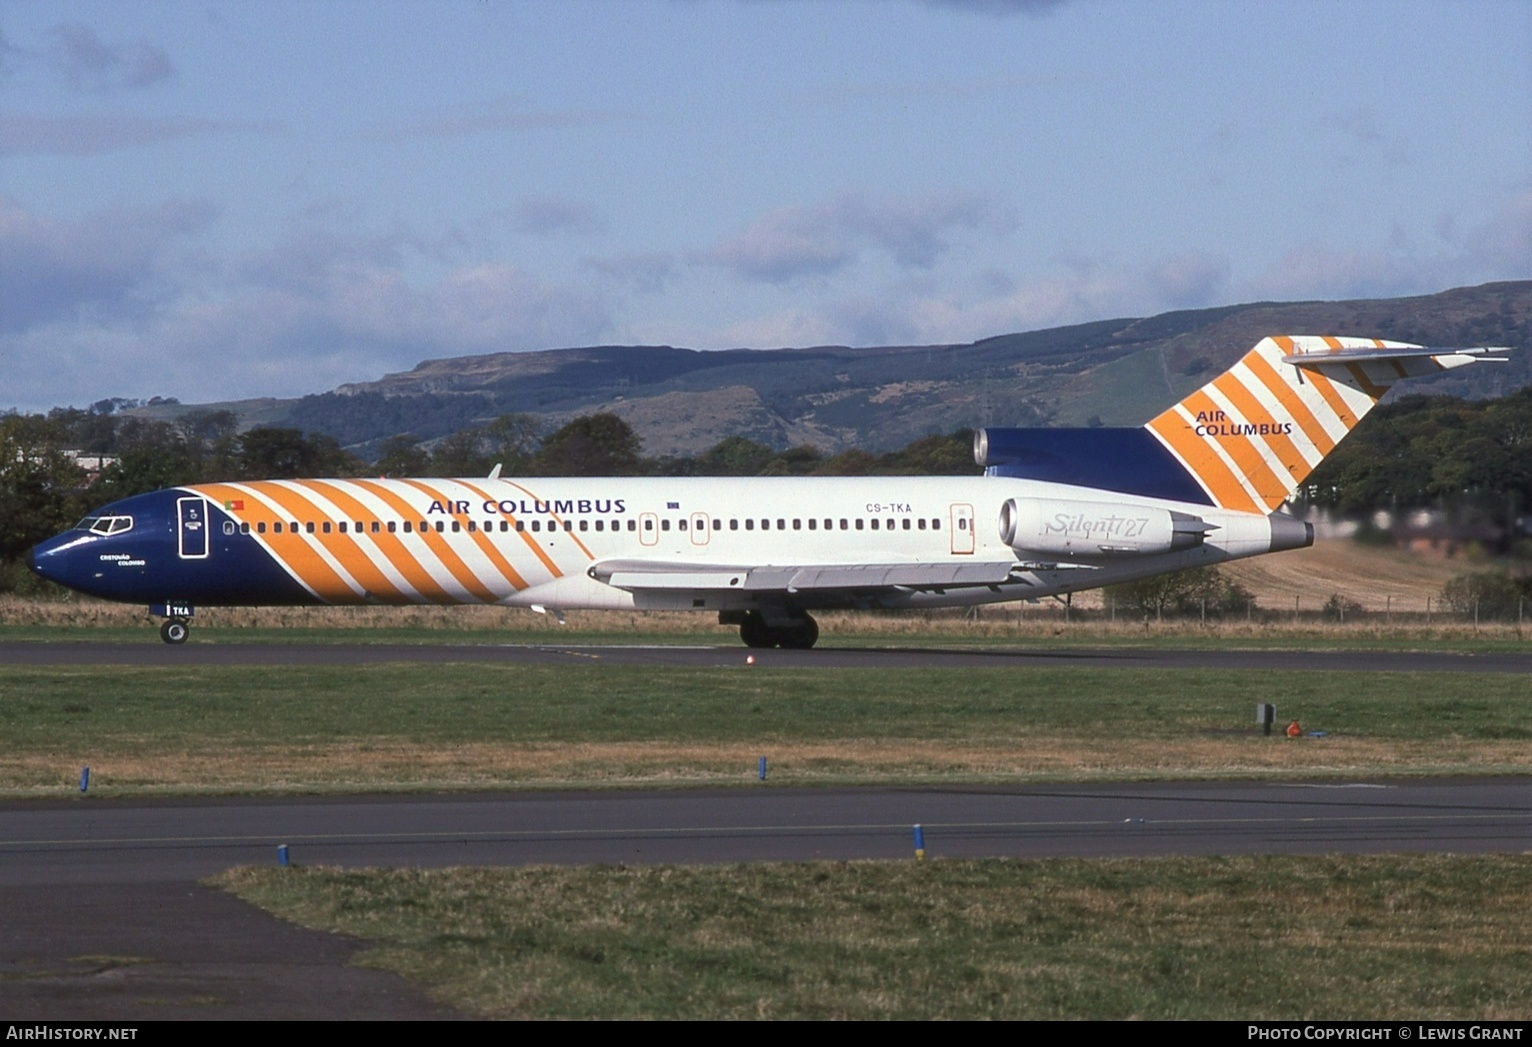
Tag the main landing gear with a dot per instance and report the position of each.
(175, 630)
(799, 635)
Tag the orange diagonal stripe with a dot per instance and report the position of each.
(1288, 397)
(1204, 463)
(1247, 457)
(388, 546)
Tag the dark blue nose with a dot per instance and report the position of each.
(52, 559)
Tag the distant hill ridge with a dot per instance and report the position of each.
(681, 401)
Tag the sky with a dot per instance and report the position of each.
(224, 200)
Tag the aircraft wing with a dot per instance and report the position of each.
(638, 575)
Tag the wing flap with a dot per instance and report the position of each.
(791, 578)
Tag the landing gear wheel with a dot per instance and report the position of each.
(800, 636)
(174, 630)
(754, 632)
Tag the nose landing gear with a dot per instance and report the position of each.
(177, 625)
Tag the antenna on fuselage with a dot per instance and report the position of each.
(494, 474)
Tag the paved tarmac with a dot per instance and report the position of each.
(151, 652)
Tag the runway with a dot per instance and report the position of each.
(119, 842)
(153, 653)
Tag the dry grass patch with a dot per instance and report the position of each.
(1257, 937)
(392, 764)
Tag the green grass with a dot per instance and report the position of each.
(299, 728)
(1269, 937)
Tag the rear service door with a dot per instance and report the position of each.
(191, 526)
(962, 528)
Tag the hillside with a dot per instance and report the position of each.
(681, 401)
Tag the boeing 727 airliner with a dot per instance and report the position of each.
(1056, 511)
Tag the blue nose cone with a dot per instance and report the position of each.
(52, 560)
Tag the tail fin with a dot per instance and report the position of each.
(1254, 433)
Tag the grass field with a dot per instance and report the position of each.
(1274, 937)
(414, 726)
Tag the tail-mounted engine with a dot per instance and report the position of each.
(1062, 527)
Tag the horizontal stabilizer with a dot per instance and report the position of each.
(1479, 354)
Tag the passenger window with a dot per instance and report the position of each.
(568, 526)
(749, 525)
(936, 525)
(733, 525)
(922, 523)
(391, 527)
(521, 526)
(813, 523)
(536, 525)
(906, 523)
(797, 525)
(843, 525)
(584, 525)
(276, 528)
(600, 524)
(260, 528)
(342, 527)
(228, 527)
(327, 527)
(859, 523)
(874, 523)
(456, 527)
(409, 527)
(244, 528)
(664, 525)
(375, 527)
(680, 525)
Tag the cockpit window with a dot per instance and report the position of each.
(106, 525)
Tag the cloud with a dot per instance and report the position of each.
(85, 61)
(1504, 243)
(123, 304)
(27, 134)
(99, 265)
(647, 272)
(555, 215)
(10, 56)
(999, 8)
(1498, 248)
(816, 240)
(494, 116)
(1082, 290)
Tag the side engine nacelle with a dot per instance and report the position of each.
(1064, 527)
